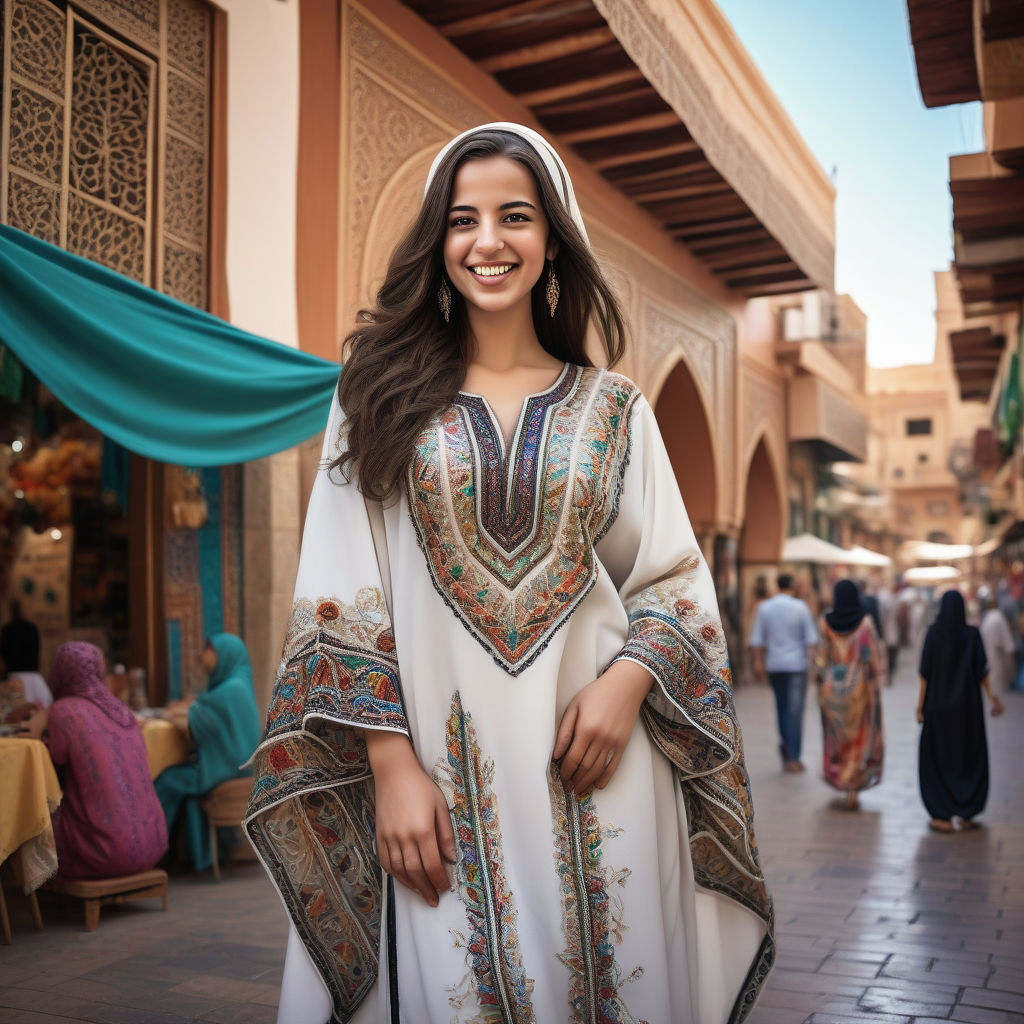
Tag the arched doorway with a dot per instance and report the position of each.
(684, 426)
(760, 544)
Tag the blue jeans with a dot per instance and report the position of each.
(790, 689)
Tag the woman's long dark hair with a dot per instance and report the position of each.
(403, 364)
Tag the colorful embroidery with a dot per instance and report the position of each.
(592, 909)
(339, 664)
(318, 848)
(692, 718)
(492, 948)
(310, 814)
(509, 543)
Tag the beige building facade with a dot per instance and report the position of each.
(708, 212)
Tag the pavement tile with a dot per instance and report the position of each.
(993, 999)
(887, 1000)
(242, 1014)
(979, 1015)
(1006, 980)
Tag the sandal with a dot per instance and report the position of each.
(938, 825)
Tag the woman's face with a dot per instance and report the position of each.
(209, 659)
(497, 240)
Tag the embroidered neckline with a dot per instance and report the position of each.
(507, 493)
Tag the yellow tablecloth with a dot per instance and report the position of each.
(165, 745)
(29, 794)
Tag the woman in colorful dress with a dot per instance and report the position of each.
(223, 723)
(851, 672)
(953, 752)
(109, 822)
(502, 777)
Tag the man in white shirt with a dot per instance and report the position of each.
(999, 646)
(783, 641)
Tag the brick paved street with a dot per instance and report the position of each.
(879, 919)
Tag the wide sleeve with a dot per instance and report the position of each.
(675, 632)
(311, 812)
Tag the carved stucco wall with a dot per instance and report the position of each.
(763, 403)
(398, 111)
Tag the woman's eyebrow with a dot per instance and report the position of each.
(504, 206)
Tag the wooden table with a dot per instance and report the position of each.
(166, 744)
(29, 794)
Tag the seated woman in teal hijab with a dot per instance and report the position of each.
(225, 727)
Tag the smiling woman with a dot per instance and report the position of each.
(502, 777)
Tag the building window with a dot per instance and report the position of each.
(105, 122)
(938, 508)
(897, 473)
(922, 456)
(921, 426)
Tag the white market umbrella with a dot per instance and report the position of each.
(929, 551)
(865, 556)
(808, 548)
(927, 574)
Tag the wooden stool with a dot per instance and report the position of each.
(97, 892)
(225, 807)
(5, 921)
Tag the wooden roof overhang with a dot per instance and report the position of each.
(566, 62)
(942, 33)
(977, 352)
(967, 49)
(988, 231)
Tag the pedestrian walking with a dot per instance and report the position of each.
(783, 641)
(851, 669)
(997, 639)
(888, 612)
(953, 752)
(505, 674)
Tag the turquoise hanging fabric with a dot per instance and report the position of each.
(157, 376)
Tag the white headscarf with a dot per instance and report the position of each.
(552, 163)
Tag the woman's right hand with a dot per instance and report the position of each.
(414, 829)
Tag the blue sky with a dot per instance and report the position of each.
(844, 71)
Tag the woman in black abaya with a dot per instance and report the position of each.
(953, 757)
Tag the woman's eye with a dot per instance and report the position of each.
(518, 218)
(461, 222)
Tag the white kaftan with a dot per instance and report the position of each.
(468, 613)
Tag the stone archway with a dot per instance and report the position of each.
(686, 429)
(760, 544)
(761, 539)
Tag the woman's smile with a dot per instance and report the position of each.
(492, 273)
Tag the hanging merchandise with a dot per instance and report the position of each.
(159, 377)
(1008, 409)
(11, 375)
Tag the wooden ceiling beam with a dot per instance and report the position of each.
(746, 259)
(580, 87)
(549, 50)
(785, 287)
(587, 104)
(704, 247)
(640, 156)
(494, 19)
(635, 125)
(711, 227)
(666, 176)
(683, 192)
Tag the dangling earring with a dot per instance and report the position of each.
(552, 291)
(444, 299)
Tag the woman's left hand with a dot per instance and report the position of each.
(35, 725)
(997, 706)
(597, 725)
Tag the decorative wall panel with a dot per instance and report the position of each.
(86, 156)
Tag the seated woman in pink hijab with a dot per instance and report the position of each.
(109, 822)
